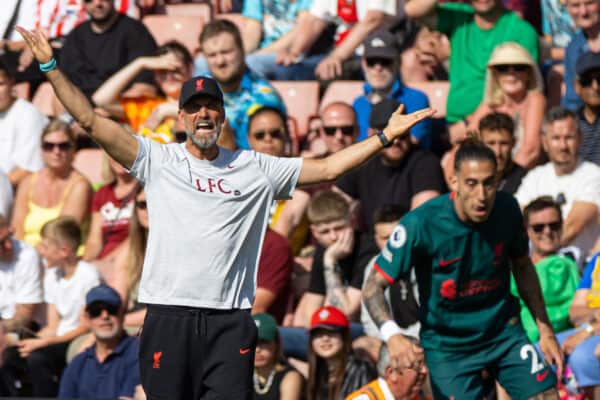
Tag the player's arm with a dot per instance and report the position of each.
(529, 288)
(332, 167)
(117, 142)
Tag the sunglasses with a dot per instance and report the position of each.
(514, 67)
(62, 146)
(94, 310)
(554, 226)
(276, 133)
(347, 130)
(384, 62)
(142, 204)
(587, 80)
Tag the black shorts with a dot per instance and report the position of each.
(197, 353)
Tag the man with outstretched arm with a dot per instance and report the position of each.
(209, 209)
(463, 247)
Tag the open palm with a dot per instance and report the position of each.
(38, 43)
(400, 123)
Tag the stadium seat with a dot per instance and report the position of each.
(89, 163)
(345, 91)
(185, 29)
(437, 92)
(46, 101)
(301, 100)
(201, 10)
(21, 90)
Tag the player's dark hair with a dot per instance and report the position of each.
(557, 113)
(177, 48)
(264, 109)
(473, 149)
(388, 213)
(497, 121)
(539, 204)
(218, 26)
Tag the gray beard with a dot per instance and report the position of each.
(207, 143)
(109, 335)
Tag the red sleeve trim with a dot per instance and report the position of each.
(383, 273)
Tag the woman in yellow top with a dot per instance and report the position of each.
(56, 190)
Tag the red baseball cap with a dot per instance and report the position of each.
(329, 317)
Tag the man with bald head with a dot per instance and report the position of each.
(340, 128)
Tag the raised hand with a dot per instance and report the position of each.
(399, 123)
(38, 43)
(168, 61)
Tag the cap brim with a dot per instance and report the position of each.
(386, 54)
(328, 327)
(195, 95)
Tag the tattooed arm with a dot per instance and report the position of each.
(346, 298)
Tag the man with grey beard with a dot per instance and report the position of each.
(109, 368)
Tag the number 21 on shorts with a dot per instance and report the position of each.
(529, 352)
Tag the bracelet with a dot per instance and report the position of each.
(388, 329)
(383, 139)
(49, 66)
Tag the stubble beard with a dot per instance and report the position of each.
(205, 143)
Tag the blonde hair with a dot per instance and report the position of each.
(509, 53)
(63, 230)
(58, 125)
(327, 206)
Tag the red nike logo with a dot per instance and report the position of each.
(245, 351)
(445, 263)
(542, 375)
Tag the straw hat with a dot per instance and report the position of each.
(510, 53)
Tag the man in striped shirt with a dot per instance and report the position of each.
(587, 86)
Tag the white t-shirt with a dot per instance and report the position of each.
(20, 131)
(583, 184)
(20, 280)
(6, 196)
(68, 295)
(207, 222)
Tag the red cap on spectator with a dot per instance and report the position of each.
(329, 317)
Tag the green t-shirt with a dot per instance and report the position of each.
(463, 270)
(471, 48)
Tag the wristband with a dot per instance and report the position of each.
(587, 327)
(383, 139)
(388, 329)
(49, 66)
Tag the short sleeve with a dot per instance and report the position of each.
(524, 193)
(452, 15)
(586, 278)
(590, 188)
(396, 258)
(253, 10)
(283, 173)
(150, 157)
(50, 286)
(519, 246)
(6, 195)
(324, 9)
(317, 274)
(29, 275)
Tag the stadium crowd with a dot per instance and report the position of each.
(299, 78)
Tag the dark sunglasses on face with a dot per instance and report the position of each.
(276, 133)
(94, 310)
(142, 204)
(539, 228)
(514, 67)
(62, 146)
(587, 80)
(347, 130)
(384, 62)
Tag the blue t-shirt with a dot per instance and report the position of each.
(254, 92)
(577, 47)
(277, 17)
(85, 377)
(412, 99)
(557, 22)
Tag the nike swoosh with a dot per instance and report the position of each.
(541, 376)
(245, 351)
(445, 263)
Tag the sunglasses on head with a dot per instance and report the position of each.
(347, 130)
(276, 133)
(539, 228)
(587, 80)
(384, 62)
(514, 67)
(62, 146)
(94, 310)
(142, 204)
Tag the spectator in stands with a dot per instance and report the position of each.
(6, 195)
(514, 86)
(401, 174)
(558, 274)
(333, 370)
(497, 132)
(354, 22)
(66, 283)
(338, 130)
(152, 116)
(273, 377)
(56, 190)
(392, 384)
(21, 125)
(474, 31)
(571, 182)
(380, 65)
(586, 17)
(243, 90)
(112, 207)
(109, 368)
(426, 59)
(557, 28)
(99, 47)
(587, 87)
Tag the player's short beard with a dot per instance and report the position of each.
(205, 143)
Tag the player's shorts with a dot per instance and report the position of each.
(195, 353)
(513, 361)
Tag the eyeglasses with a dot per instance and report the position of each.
(587, 80)
(384, 62)
(94, 310)
(276, 133)
(142, 204)
(62, 146)
(539, 228)
(515, 67)
(347, 130)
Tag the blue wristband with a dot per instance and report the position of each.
(49, 66)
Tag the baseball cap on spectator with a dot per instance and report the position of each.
(267, 327)
(381, 44)
(329, 317)
(382, 112)
(103, 294)
(200, 86)
(586, 62)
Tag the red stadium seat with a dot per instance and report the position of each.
(301, 100)
(437, 92)
(21, 90)
(185, 29)
(46, 101)
(345, 91)
(89, 163)
(237, 19)
(201, 10)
